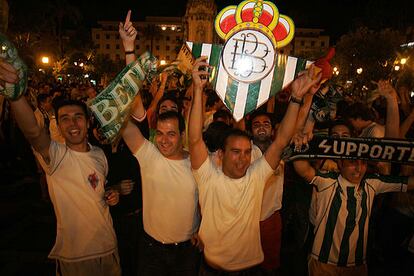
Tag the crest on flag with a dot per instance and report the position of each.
(247, 70)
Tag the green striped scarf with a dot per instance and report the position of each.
(112, 106)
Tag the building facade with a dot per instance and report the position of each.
(160, 35)
(199, 21)
(163, 36)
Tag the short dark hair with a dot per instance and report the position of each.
(340, 122)
(65, 102)
(257, 113)
(173, 115)
(214, 135)
(360, 110)
(234, 132)
(222, 113)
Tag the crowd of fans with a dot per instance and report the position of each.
(274, 222)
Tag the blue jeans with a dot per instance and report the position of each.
(170, 259)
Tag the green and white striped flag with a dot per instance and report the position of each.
(242, 98)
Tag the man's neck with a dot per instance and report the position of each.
(262, 145)
(83, 147)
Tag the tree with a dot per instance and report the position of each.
(373, 51)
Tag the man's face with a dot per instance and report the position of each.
(236, 156)
(358, 124)
(73, 124)
(168, 138)
(262, 128)
(352, 170)
(168, 105)
(339, 131)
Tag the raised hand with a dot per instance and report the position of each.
(306, 82)
(386, 90)
(127, 33)
(200, 73)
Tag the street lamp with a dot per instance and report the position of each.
(45, 60)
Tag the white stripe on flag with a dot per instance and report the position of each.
(290, 71)
(241, 98)
(221, 83)
(265, 88)
(190, 45)
(206, 51)
(308, 63)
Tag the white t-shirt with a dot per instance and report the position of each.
(273, 191)
(230, 211)
(169, 196)
(76, 186)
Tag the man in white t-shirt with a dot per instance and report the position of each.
(169, 195)
(231, 197)
(85, 241)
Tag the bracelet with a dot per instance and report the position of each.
(139, 119)
(129, 52)
(296, 100)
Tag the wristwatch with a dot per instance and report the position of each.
(296, 100)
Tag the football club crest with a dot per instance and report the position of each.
(247, 69)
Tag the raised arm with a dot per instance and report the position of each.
(131, 133)
(198, 150)
(300, 87)
(128, 34)
(392, 122)
(24, 115)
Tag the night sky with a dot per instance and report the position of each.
(336, 17)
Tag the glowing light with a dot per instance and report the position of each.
(163, 62)
(397, 68)
(76, 64)
(403, 61)
(163, 28)
(45, 60)
(86, 76)
(244, 66)
(359, 71)
(81, 64)
(173, 28)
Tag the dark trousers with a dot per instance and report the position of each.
(168, 259)
(129, 229)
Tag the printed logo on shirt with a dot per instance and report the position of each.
(93, 180)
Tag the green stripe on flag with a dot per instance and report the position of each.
(330, 226)
(196, 50)
(278, 74)
(349, 227)
(300, 66)
(214, 61)
(231, 93)
(252, 97)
